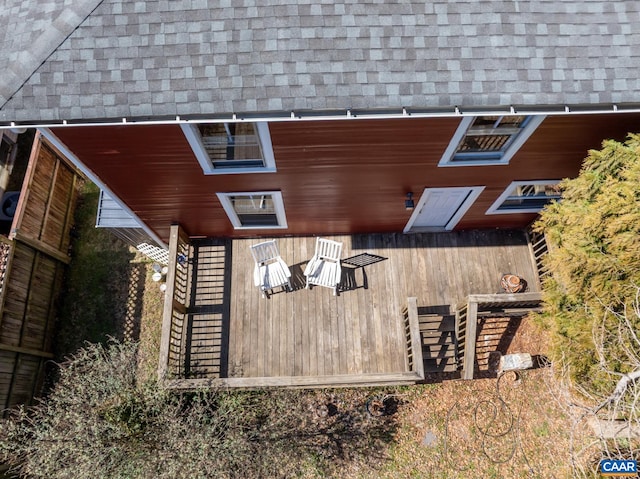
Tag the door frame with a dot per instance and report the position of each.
(474, 192)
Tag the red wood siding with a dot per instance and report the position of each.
(554, 151)
(342, 176)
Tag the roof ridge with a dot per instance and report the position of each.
(29, 60)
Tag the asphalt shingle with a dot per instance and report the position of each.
(187, 57)
(32, 31)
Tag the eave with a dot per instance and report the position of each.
(328, 115)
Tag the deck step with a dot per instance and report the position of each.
(439, 355)
(437, 335)
(444, 365)
(436, 322)
(442, 348)
(446, 338)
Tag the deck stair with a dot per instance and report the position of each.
(439, 345)
(478, 306)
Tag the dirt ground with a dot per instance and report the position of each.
(509, 427)
(512, 426)
(151, 325)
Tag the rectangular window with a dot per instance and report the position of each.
(228, 147)
(489, 140)
(255, 210)
(526, 197)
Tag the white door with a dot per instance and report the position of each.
(442, 208)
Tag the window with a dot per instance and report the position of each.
(526, 197)
(262, 209)
(489, 140)
(231, 147)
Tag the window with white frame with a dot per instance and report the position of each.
(489, 139)
(228, 147)
(254, 210)
(526, 197)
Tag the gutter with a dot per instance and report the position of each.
(343, 114)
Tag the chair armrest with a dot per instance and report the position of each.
(284, 267)
(338, 273)
(258, 275)
(313, 266)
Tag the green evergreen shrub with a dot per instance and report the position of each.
(594, 257)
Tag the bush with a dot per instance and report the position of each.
(99, 421)
(594, 258)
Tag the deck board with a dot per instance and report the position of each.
(312, 333)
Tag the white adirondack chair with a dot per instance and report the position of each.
(324, 268)
(270, 270)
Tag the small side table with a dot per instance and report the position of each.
(360, 261)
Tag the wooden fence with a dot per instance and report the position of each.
(32, 262)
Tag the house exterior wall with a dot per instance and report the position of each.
(338, 176)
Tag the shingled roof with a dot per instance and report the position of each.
(111, 59)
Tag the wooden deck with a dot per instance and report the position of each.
(312, 338)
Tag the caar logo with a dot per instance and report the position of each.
(618, 468)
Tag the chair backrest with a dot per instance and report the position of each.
(328, 249)
(265, 252)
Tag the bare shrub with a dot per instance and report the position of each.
(99, 421)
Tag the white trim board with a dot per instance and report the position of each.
(474, 193)
(493, 209)
(192, 135)
(512, 149)
(235, 221)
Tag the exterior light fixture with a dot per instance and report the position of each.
(408, 203)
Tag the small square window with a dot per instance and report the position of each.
(526, 197)
(227, 147)
(254, 210)
(489, 140)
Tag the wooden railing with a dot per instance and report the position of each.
(539, 249)
(415, 363)
(461, 333)
(466, 325)
(173, 344)
(476, 305)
